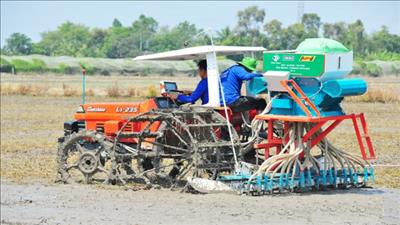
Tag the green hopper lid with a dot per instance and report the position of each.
(321, 45)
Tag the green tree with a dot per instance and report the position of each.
(18, 44)
(39, 49)
(69, 39)
(248, 27)
(116, 23)
(226, 37)
(383, 41)
(144, 28)
(120, 43)
(311, 23)
(275, 35)
(373, 70)
(395, 70)
(163, 40)
(144, 35)
(96, 43)
(356, 37)
(176, 37)
(293, 35)
(337, 31)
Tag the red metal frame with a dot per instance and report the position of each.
(318, 122)
(285, 84)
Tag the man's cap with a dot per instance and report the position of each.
(249, 62)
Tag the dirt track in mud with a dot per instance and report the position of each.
(79, 204)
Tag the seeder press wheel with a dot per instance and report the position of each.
(174, 144)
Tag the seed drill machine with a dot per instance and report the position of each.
(160, 142)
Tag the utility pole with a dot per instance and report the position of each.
(300, 11)
(83, 85)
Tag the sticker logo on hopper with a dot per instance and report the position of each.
(307, 58)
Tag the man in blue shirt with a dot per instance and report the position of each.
(232, 79)
(201, 90)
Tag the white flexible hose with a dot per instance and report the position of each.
(288, 161)
(256, 124)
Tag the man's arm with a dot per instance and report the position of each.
(197, 93)
(244, 75)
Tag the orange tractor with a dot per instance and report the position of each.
(159, 142)
(156, 141)
(161, 139)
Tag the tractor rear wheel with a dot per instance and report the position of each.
(187, 142)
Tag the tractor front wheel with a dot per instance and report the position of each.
(81, 156)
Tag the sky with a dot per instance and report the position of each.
(35, 17)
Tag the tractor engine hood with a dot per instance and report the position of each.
(107, 111)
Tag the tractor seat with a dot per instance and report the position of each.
(221, 108)
(216, 108)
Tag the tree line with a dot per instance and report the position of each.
(145, 35)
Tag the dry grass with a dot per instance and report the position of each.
(113, 91)
(90, 92)
(383, 120)
(25, 168)
(68, 91)
(29, 136)
(133, 92)
(386, 95)
(39, 90)
(22, 89)
(152, 91)
(30, 125)
(128, 85)
(388, 176)
(116, 91)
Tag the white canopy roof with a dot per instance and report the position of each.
(199, 52)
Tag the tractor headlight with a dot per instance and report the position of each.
(80, 109)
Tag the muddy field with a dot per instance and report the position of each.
(66, 204)
(30, 126)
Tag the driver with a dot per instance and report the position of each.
(232, 79)
(201, 90)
